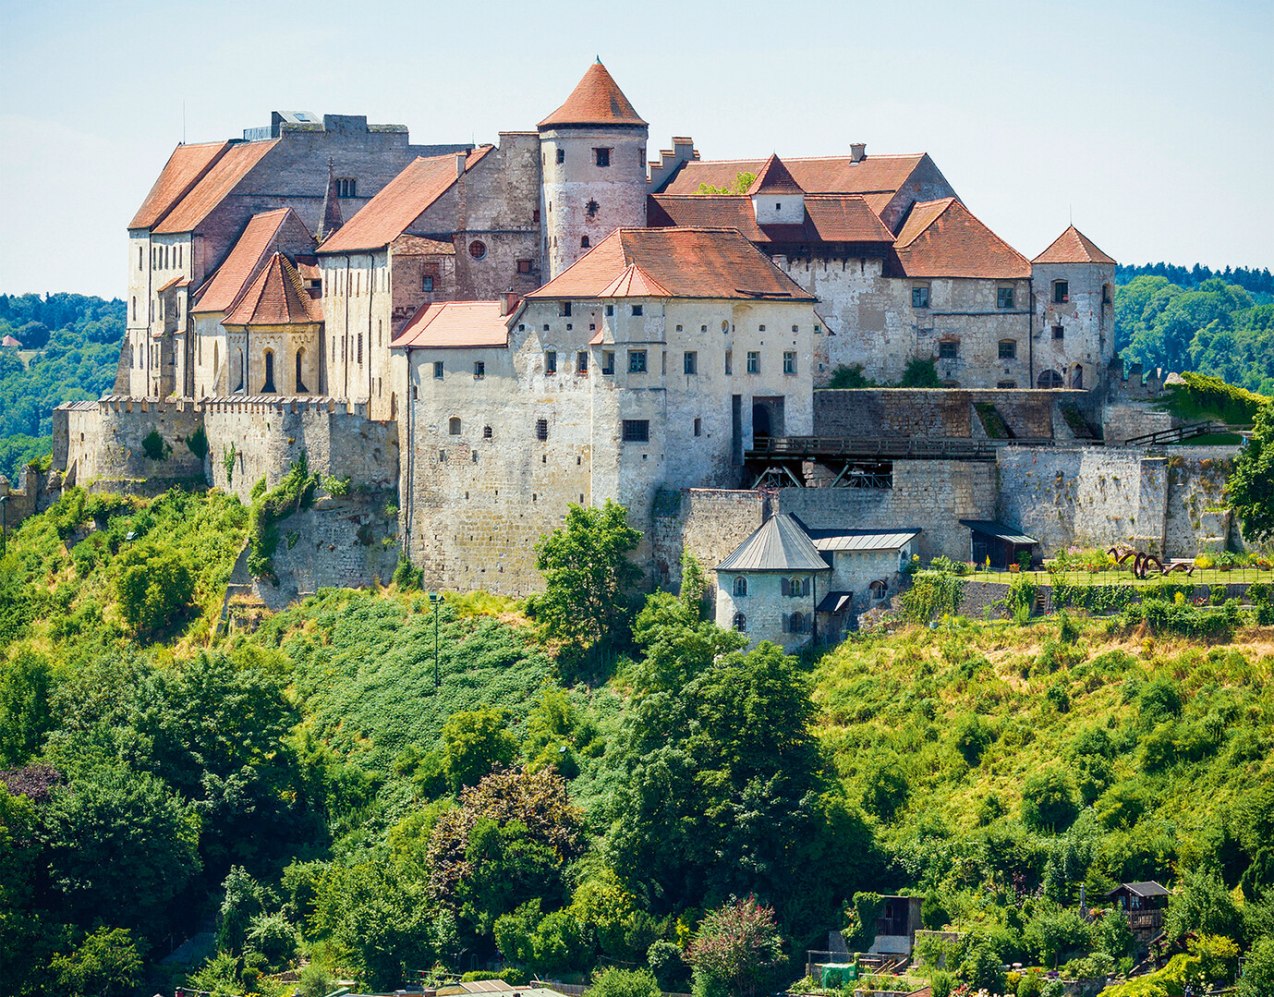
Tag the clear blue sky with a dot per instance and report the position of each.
(1151, 123)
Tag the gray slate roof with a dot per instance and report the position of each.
(862, 539)
(1145, 889)
(779, 544)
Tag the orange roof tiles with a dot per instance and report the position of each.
(418, 245)
(686, 262)
(944, 239)
(214, 186)
(814, 175)
(774, 178)
(454, 325)
(634, 282)
(185, 167)
(178, 281)
(276, 296)
(250, 251)
(1072, 246)
(399, 203)
(596, 100)
(828, 218)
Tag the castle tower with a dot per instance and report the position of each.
(777, 199)
(593, 151)
(1074, 289)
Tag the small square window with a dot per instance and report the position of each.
(754, 362)
(1059, 332)
(1008, 349)
(524, 266)
(550, 361)
(637, 309)
(690, 363)
(486, 432)
(608, 362)
(949, 349)
(920, 296)
(564, 308)
(1004, 297)
(581, 362)
(636, 431)
(541, 429)
(426, 283)
(636, 361)
(479, 370)
(437, 370)
(789, 362)
(602, 157)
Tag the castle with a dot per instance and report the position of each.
(496, 331)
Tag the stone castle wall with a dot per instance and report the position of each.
(103, 442)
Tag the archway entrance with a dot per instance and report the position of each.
(767, 418)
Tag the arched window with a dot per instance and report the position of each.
(239, 357)
(216, 361)
(740, 623)
(879, 589)
(453, 425)
(300, 380)
(1050, 379)
(584, 243)
(796, 623)
(740, 586)
(267, 386)
(795, 586)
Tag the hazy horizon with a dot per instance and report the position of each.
(1147, 124)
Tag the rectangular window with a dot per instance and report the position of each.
(610, 310)
(524, 266)
(637, 309)
(541, 429)
(729, 358)
(426, 283)
(754, 362)
(564, 308)
(346, 187)
(550, 361)
(437, 370)
(602, 156)
(1008, 349)
(360, 349)
(789, 362)
(949, 349)
(608, 362)
(561, 156)
(920, 296)
(1061, 292)
(698, 426)
(636, 361)
(581, 362)
(690, 363)
(479, 370)
(1059, 332)
(636, 431)
(1004, 297)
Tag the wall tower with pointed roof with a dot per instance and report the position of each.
(1074, 312)
(593, 156)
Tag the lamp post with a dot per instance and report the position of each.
(435, 600)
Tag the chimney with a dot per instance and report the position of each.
(857, 152)
(509, 302)
(461, 158)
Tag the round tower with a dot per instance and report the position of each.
(593, 156)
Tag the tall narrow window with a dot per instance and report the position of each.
(581, 362)
(1061, 292)
(541, 429)
(550, 361)
(360, 349)
(584, 243)
(789, 362)
(560, 157)
(437, 370)
(608, 361)
(690, 363)
(300, 379)
(740, 586)
(754, 362)
(479, 370)
(453, 426)
(920, 296)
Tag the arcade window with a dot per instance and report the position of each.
(346, 187)
(949, 349)
(920, 296)
(636, 431)
(602, 157)
(1004, 297)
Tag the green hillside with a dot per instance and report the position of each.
(305, 792)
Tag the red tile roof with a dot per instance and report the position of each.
(944, 239)
(828, 218)
(178, 281)
(10, 342)
(275, 297)
(1072, 246)
(815, 175)
(774, 178)
(634, 282)
(267, 231)
(186, 165)
(214, 186)
(399, 203)
(714, 263)
(596, 100)
(418, 245)
(454, 325)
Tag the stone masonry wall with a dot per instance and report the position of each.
(101, 443)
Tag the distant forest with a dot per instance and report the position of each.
(1256, 282)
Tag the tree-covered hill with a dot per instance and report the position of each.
(70, 350)
(690, 814)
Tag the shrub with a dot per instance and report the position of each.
(336, 487)
(615, 982)
(228, 461)
(920, 374)
(932, 594)
(197, 442)
(155, 447)
(1048, 802)
(154, 589)
(850, 377)
(972, 738)
(1021, 599)
(407, 576)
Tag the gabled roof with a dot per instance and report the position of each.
(281, 229)
(814, 175)
(168, 285)
(779, 544)
(774, 178)
(596, 100)
(998, 531)
(1072, 246)
(828, 218)
(275, 297)
(214, 186)
(418, 245)
(861, 540)
(634, 282)
(715, 263)
(399, 203)
(456, 324)
(186, 165)
(943, 239)
(10, 342)
(1143, 889)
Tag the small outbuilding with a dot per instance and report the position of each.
(997, 543)
(10, 343)
(1143, 904)
(896, 925)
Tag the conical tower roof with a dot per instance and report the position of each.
(780, 544)
(774, 178)
(1072, 246)
(596, 100)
